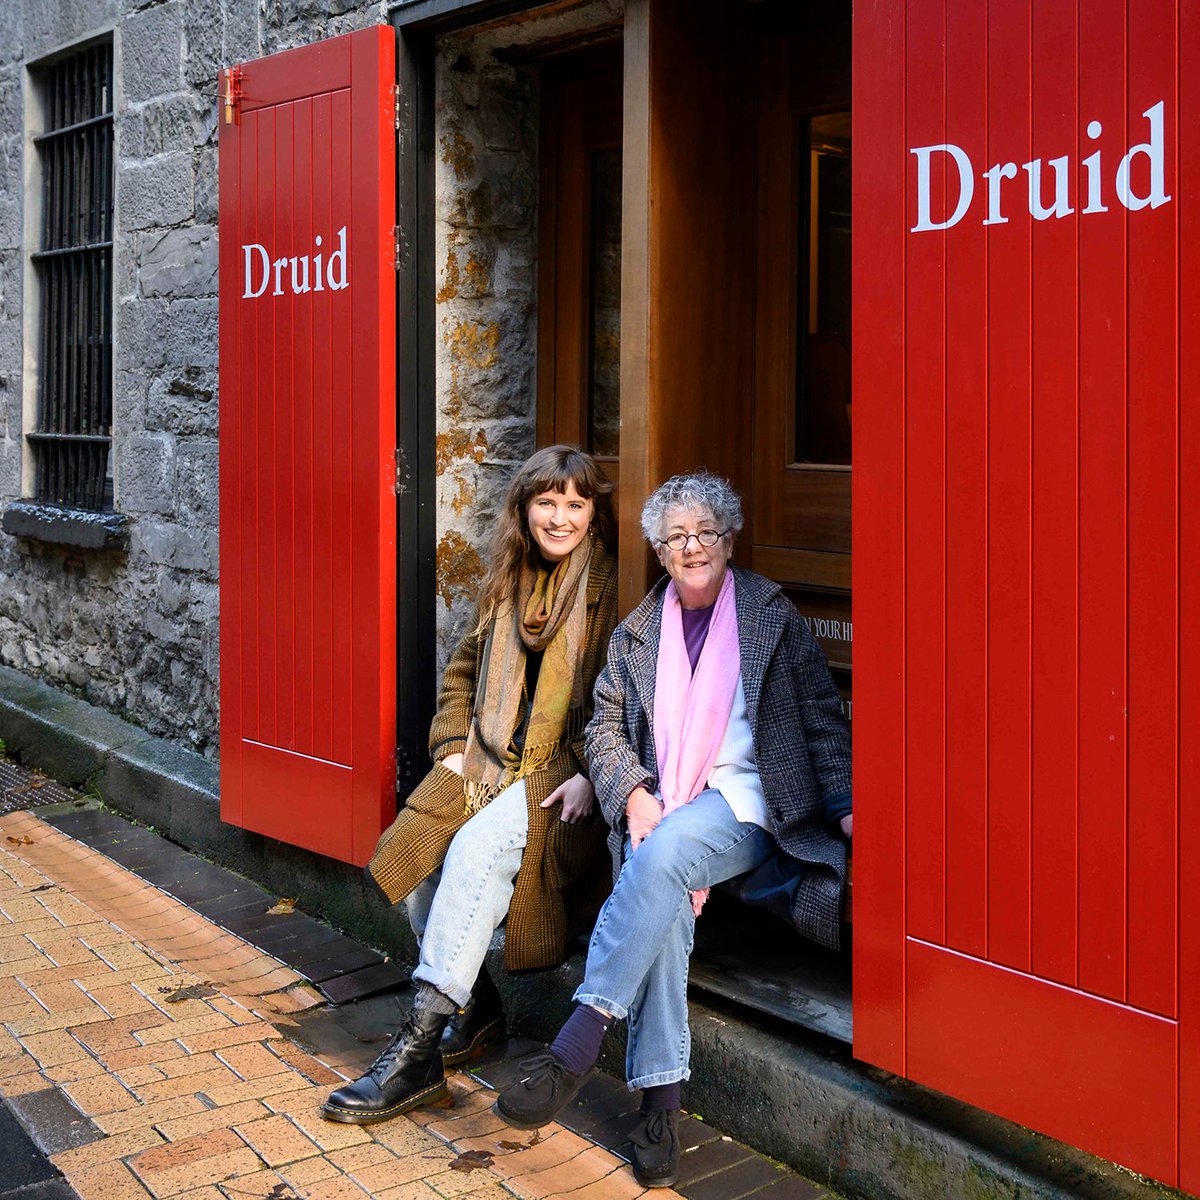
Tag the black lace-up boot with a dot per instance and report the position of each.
(656, 1148)
(545, 1088)
(406, 1075)
(477, 1025)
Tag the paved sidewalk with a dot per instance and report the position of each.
(144, 1047)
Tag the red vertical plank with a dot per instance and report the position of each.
(1102, 528)
(303, 514)
(281, 299)
(966, 507)
(1055, 503)
(880, 223)
(1008, 477)
(1188, 744)
(925, 513)
(1153, 541)
(344, 373)
(324, 574)
(373, 172)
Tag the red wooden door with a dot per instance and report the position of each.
(1026, 515)
(307, 445)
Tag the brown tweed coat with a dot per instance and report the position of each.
(564, 874)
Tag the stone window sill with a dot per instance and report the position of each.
(66, 526)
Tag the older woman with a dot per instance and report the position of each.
(717, 746)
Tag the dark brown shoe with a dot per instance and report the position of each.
(656, 1148)
(545, 1088)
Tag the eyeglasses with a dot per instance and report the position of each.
(706, 537)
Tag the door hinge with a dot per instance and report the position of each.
(402, 474)
(396, 105)
(232, 90)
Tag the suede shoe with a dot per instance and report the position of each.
(477, 1025)
(656, 1148)
(406, 1075)
(545, 1088)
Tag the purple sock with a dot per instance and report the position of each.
(578, 1041)
(665, 1095)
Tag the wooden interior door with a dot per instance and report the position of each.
(579, 277)
(1027, 915)
(307, 445)
(800, 528)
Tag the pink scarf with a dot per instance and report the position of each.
(691, 709)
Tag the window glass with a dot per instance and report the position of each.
(823, 336)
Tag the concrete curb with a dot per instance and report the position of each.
(798, 1099)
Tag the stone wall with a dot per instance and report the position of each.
(137, 633)
(486, 250)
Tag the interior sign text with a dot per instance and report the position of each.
(1147, 158)
(317, 272)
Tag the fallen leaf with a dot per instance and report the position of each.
(507, 1145)
(37, 783)
(43, 887)
(20, 841)
(472, 1160)
(194, 991)
(286, 905)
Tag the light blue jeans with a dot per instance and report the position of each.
(637, 964)
(455, 911)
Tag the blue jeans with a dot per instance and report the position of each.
(637, 964)
(455, 911)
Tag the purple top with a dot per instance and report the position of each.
(695, 630)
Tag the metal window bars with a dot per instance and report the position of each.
(71, 443)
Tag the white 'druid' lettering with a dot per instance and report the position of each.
(299, 273)
(1153, 151)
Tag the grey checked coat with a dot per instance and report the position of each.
(801, 743)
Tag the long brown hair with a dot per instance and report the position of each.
(551, 469)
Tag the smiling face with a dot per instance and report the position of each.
(558, 522)
(698, 571)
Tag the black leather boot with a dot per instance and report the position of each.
(406, 1075)
(476, 1026)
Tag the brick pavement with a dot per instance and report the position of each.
(167, 1035)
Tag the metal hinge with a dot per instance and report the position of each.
(402, 474)
(396, 105)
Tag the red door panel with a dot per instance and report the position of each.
(1025, 579)
(308, 530)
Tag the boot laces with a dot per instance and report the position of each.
(541, 1068)
(394, 1049)
(654, 1130)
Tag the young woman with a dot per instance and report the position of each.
(505, 824)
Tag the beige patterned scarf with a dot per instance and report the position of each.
(548, 614)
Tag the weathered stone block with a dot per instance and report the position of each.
(158, 192)
(140, 337)
(146, 473)
(202, 31)
(11, 99)
(183, 401)
(197, 502)
(12, 33)
(152, 51)
(206, 187)
(152, 540)
(241, 34)
(192, 333)
(196, 550)
(171, 123)
(47, 27)
(179, 262)
(10, 223)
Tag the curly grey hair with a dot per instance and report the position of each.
(696, 491)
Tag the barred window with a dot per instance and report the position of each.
(74, 267)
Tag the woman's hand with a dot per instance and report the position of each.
(642, 813)
(453, 762)
(577, 796)
(847, 824)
